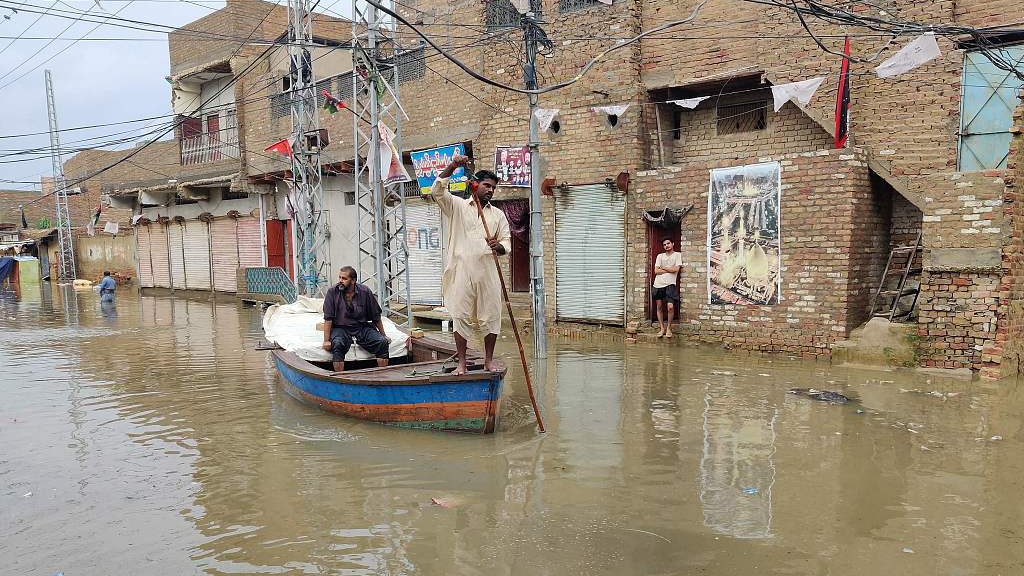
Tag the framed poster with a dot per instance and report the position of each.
(744, 256)
(512, 165)
(428, 163)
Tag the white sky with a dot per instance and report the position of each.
(94, 81)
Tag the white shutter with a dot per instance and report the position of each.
(158, 252)
(197, 246)
(176, 248)
(423, 239)
(142, 252)
(590, 255)
(224, 248)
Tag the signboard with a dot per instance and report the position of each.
(512, 165)
(744, 256)
(428, 163)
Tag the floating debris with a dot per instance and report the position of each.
(750, 490)
(722, 373)
(820, 395)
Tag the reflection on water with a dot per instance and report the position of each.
(149, 437)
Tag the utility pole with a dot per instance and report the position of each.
(531, 32)
(311, 230)
(380, 207)
(66, 270)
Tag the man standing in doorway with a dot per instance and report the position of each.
(352, 314)
(470, 285)
(666, 278)
(107, 288)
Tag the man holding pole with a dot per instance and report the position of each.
(470, 285)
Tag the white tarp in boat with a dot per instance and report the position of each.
(293, 327)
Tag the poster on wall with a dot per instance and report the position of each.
(744, 259)
(512, 165)
(428, 163)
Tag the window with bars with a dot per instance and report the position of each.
(744, 117)
(340, 87)
(577, 5)
(499, 14)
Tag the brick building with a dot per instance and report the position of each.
(915, 164)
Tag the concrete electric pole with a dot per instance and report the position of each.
(531, 37)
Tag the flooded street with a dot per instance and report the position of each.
(152, 439)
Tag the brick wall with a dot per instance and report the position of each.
(829, 256)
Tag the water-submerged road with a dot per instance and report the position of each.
(151, 438)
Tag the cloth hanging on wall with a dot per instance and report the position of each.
(545, 116)
(922, 49)
(689, 103)
(518, 214)
(801, 92)
(611, 110)
(666, 217)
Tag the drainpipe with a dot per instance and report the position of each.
(263, 234)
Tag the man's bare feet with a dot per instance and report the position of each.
(490, 366)
(661, 333)
(459, 370)
(668, 333)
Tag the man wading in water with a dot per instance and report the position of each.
(470, 284)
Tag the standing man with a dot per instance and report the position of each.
(470, 284)
(666, 278)
(351, 313)
(107, 288)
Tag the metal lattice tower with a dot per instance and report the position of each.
(383, 255)
(311, 230)
(66, 268)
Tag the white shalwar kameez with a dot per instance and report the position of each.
(470, 284)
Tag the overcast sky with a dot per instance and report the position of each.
(95, 80)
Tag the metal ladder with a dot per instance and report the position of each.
(900, 265)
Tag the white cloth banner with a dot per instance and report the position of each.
(801, 92)
(90, 228)
(392, 170)
(522, 6)
(611, 110)
(545, 116)
(689, 103)
(111, 228)
(922, 49)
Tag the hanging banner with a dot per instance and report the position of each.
(428, 163)
(744, 257)
(545, 116)
(922, 49)
(689, 103)
(512, 165)
(392, 171)
(111, 228)
(801, 92)
(611, 110)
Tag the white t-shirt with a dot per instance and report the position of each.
(664, 261)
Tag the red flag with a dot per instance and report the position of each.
(843, 99)
(282, 147)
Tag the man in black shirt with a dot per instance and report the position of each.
(351, 313)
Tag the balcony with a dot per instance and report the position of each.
(210, 146)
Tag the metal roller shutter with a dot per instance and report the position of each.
(590, 255)
(158, 251)
(176, 248)
(197, 246)
(224, 251)
(250, 245)
(142, 251)
(423, 240)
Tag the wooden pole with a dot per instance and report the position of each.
(511, 317)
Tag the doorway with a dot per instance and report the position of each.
(278, 248)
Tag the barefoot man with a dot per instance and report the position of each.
(470, 284)
(666, 278)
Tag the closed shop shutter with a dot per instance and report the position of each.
(145, 258)
(224, 250)
(590, 255)
(197, 250)
(423, 240)
(250, 245)
(158, 251)
(176, 248)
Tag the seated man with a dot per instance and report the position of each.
(351, 313)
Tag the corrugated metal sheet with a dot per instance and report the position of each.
(224, 252)
(145, 262)
(590, 255)
(986, 109)
(250, 245)
(197, 252)
(423, 240)
(158, 252)
(176, 250)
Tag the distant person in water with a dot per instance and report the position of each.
(107, 288)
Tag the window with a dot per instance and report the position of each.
(577, 5)
(499, 14)
(989, 95)
(745, 117)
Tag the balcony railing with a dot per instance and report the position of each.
(210, 147)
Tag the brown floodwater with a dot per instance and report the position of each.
(151, 438)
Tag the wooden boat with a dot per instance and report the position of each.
(416, 391)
